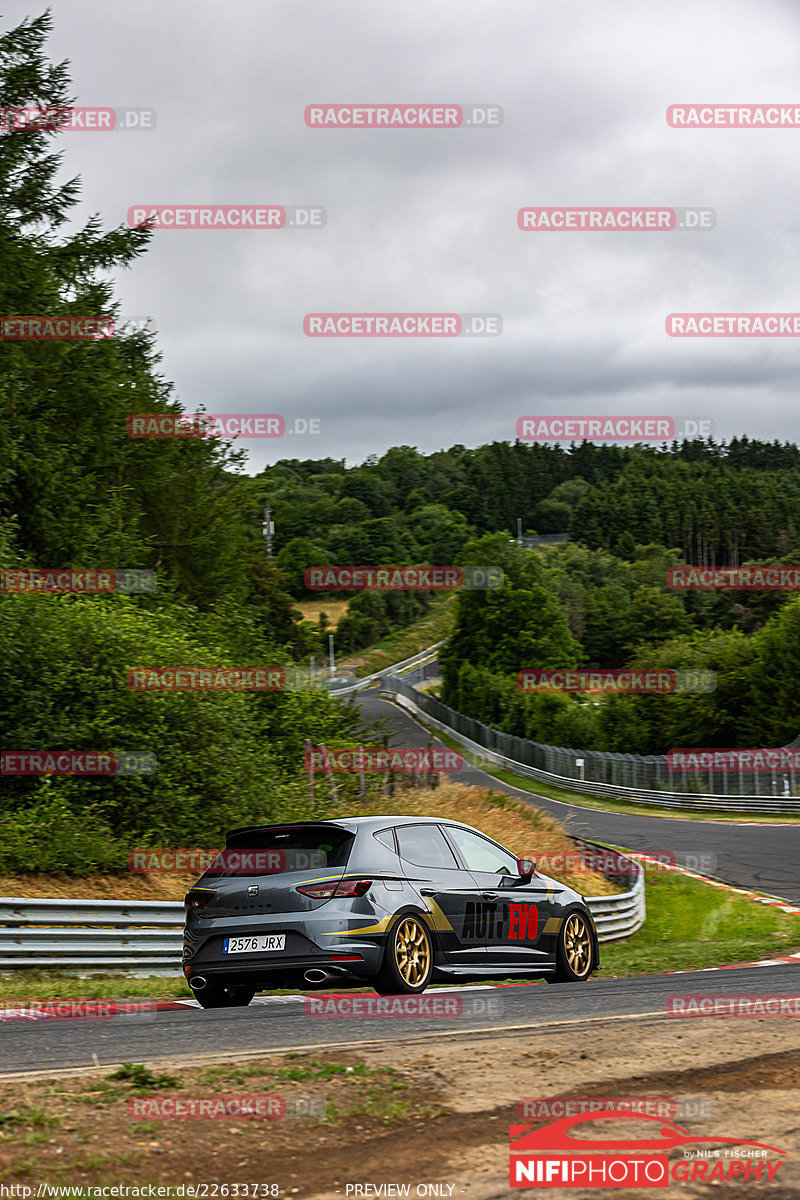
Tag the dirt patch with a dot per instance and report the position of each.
(420, 1112)
(334, 610)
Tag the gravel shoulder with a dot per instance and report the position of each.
(420, 1112)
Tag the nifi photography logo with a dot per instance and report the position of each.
(554, 1155)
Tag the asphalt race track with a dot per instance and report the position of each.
(755, 856)
(762, 857)
(271, 1025)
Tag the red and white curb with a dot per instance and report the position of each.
(106, 1010)
(48, 1010)
(773, 901)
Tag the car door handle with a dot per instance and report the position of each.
(488, 895)
(427, 891)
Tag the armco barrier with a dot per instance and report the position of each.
(441, 717)
(145, 936)
(93, 935)
(416, 660)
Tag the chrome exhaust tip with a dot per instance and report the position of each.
(197, 983)
(315, 975)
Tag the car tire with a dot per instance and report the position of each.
(217, 995)
(407, 965)
(575, 952)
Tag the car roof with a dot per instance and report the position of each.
(354, 823)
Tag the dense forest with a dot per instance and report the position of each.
(77, 491)
(571, 606)
(711, 504)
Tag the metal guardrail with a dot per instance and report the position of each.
(420, 705)
(146, 936)
(95, 935)
(620, 915)
(416, 660)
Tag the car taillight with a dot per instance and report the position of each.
(353, 887)
(195, 900)
(347, 887)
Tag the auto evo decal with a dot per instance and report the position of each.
(485, 921)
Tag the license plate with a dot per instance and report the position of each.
(261, 942)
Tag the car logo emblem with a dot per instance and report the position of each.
(253, 889)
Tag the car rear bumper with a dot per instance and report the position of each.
(358, 959)
(289, 972)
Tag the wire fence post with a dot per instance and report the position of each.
(309, 757)
(326, 763)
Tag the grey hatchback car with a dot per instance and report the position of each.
(392, 902)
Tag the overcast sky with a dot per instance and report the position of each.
(425, 220)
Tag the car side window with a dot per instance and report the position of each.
(386, 838)
(425, 846)
(482, 855)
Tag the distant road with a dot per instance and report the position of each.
(762, 857)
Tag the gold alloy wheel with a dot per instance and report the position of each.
(412, 951)
(578, 944)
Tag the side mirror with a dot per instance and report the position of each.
(526, 867)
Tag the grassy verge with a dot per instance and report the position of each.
(511, 822)
(433, 627)
(691, 925)
(604, 803)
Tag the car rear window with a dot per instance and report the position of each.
(425, 846)
(278, 851)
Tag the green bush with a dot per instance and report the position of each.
(224, 758)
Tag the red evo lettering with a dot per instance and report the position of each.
(523, 922)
